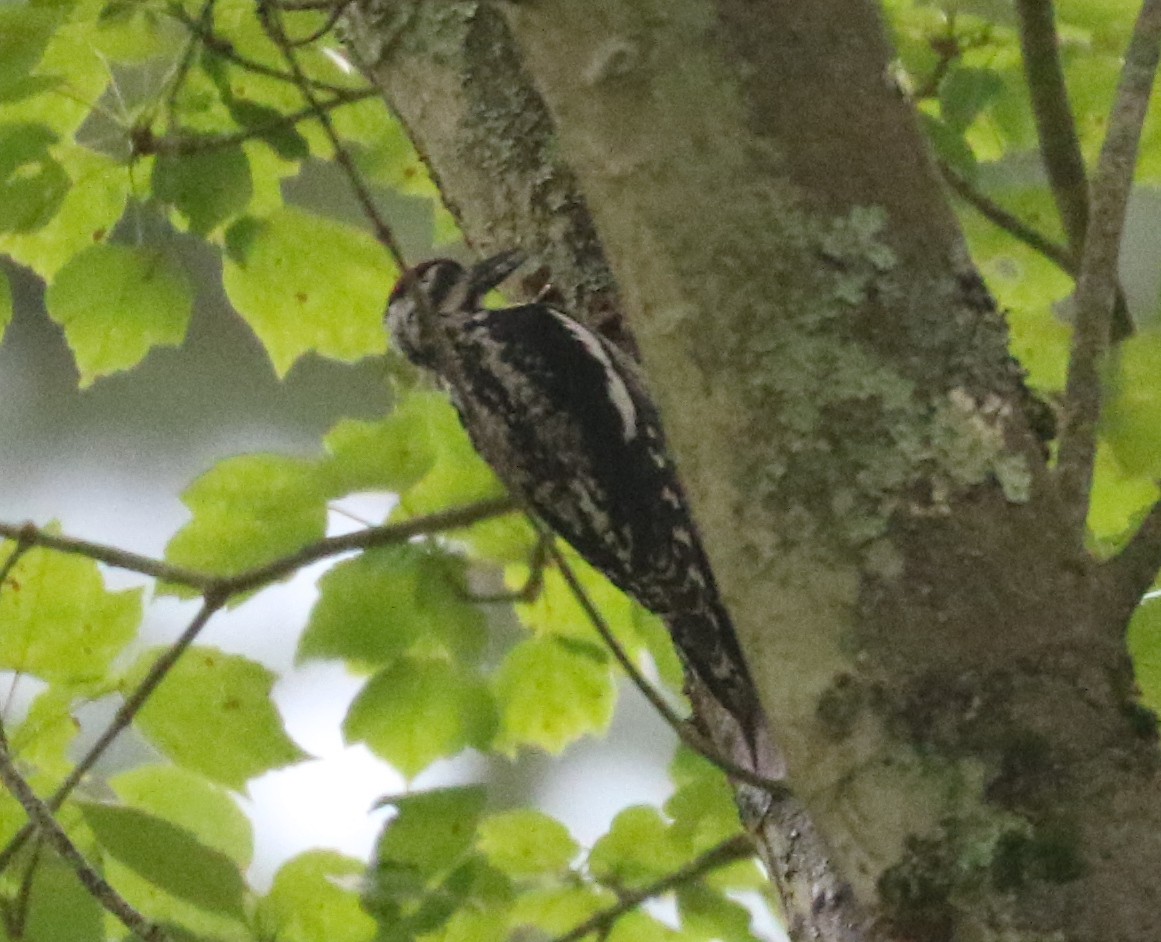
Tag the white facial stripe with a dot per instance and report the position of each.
(618, 391)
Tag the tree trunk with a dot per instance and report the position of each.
(945, 668)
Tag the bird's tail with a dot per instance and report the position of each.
(706, 641)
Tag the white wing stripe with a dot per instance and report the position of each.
(618, 391)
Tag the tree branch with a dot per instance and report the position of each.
(818, 902)
(1055, 124)
(31, 535)
(1097, 283)
(40, 817)
(177, 78)
(1058, 254)
(185, 145)
(727, 852)
(333, 11)
(453, 519)
(23, 545)
(1059, 141)
(222, 47)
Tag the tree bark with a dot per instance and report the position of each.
(946, 671)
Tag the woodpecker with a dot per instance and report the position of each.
(565, 420)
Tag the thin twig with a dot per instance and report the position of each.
(24, 542)
(530, 591)
(1059, 141)
(1055, 124)
(225, 50)
(333, 13)
(124, 716)
(297, 6)
(110, 555)
(455, 519)
(1097, 283)
(271, 18)
(441, 521)
(185, 145)
(727, 852)
(684, 730)
(1056, 253)
(41, 818)
(24, 899)
(204, 19)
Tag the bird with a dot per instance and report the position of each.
(564, 418)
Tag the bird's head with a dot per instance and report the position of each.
(436, 289)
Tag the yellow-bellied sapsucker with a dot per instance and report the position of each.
(563, 417)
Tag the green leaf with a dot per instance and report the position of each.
(314, 899)
(248, 511)
(432, 830)
(208, 186)
(551, 694)
(93, 204)
(1144, 641)
(117, 302)
(375, 607)
(270, 125)
(458, 475)
(388, 455)
(5, 304)
(702, 808)
(1132, 418)
(24, 34)
(33, 183)
(557, 911)
(59, 621)
(1118, 501)
(637, 848)
(388, 157)
(191, 802)
(305, 284)
(525, 843)
(82, 77)
(60, 909)
(49, 729)
(133, 32)
(639, 926)
(468, 925)
(213, 714)
(417, 711)
(168, 856)
(949, 144)
(708, 915)
(556, 611)
(965, 92)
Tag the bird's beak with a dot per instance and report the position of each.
(489, 273)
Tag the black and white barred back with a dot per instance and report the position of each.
(564, 419)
